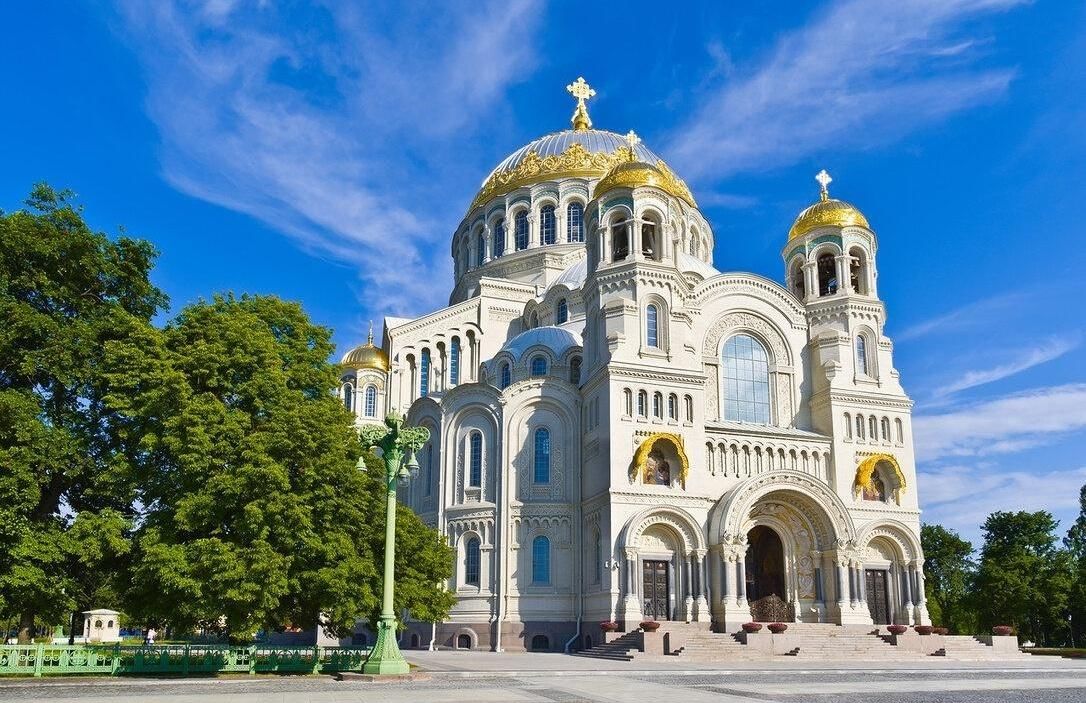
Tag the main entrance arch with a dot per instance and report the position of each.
(765, 575)
(664, 575)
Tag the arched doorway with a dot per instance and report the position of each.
(765, 575)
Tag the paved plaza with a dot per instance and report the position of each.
(552, 678)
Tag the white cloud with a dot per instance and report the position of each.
(1002, 425)
(975, 314)
(334, 127)
(1046, 351)
(962, 497)
(863, 73)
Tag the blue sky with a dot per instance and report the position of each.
(325, 152)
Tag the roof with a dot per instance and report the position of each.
(688, 262)
(558, 339)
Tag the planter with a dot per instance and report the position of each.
(1003, 630)
(777, 627)
(898, 629)
(924, 629)
(609, 626)
(942, 630)
(650, 626)
(752, 626)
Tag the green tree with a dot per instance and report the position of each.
(66, 292)
(1075, 542)
(1024, 579)
(948, 574)
(255, 515)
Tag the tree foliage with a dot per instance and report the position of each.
(948, 572)
(1075, 541)
(66, 292)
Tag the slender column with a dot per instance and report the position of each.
(741, 568)
(715, 569)
(731, 593)
(861, 576)
(688, 587)
(701, 603)
(533, 230)
(844, 279)
(810, 276)
(488, 244)
(840, 585)
(852, 589)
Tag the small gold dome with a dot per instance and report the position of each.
(367, 356)
(827, 212)
(634, 174)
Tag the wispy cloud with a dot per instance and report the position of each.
(332, 123)
(1045, 351)
(961, 497)
(1003, 425)
(972, 315)
(863, 73)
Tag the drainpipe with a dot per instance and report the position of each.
(433, 637)
(577, 527)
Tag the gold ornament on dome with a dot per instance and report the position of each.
(641, 462)
(367, 356)
(582, 91)
(865, 472)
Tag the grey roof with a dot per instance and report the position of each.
(573, 277)
(558, 339)
(593, 140)
(692, 263)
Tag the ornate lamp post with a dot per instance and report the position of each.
(397, 444)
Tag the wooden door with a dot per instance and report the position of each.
(655, 590)
(878, 596)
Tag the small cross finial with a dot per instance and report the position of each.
(824, 180)
(582, 91)
(370, 340)
(632, 139)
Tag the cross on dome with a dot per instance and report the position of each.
(632, 139)
(582, 91)
(824, 180)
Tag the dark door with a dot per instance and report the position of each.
(655, 591)
(878, 597)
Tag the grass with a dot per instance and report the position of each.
(1072, 653)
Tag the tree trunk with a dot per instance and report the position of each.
(26, 628)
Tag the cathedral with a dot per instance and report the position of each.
(621, 432)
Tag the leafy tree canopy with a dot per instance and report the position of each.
(948, 574)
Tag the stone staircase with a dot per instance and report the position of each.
(966, 648)
(708, 646)
(622, 649)
(826, 641)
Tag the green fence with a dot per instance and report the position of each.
(182, 660)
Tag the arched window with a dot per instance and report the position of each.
(861, 355)
(643, 403)
(648, 241)
(689, 402)
(885, 429)
(539, 366)
(628, 396)
(480, 253)
(658, 405)
(471, 562)
(848, 426)
(673, 407)
(827, 274)
(860, 427)
(541, 561)
(620, 238)
(348, 396)
(561, 315)
(520, 230)
(575, 222)
(498, 245)
(424, 374)
(652, 329)
(541, 643)
(874, 425)
(463, 641)
(899, 431)
(857, 268)
(575, 371)
(548, 225)
(454, 361)
(506, 376)
(371, 401)
(542, 460)
(799, 285)
(746, 380)
(475, 441)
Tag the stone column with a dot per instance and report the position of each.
(844, 276)
(843, 582)
(488, 244)
(861, 576)
(703, 613)
(741, 570)
(921, 596)
(533, 231)
(810, 277)
(906, 580)
(688, 587)
(717, 594)
(631, 605)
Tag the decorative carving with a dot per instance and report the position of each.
(641, 458)
(748, 321)
(772, 608)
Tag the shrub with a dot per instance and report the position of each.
(897, 629)
(1002, 630)
(924, 629)
(752, 626)
(777, 627)
(609, 626)
(650, 625)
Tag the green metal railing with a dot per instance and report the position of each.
(176, 659)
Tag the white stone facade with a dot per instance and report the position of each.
(762, 503)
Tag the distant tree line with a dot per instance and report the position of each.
(1025, 576)
(197, 474)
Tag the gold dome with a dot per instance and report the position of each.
(827, 212)
(634, 174)
(367, 356)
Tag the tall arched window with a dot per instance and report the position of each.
(628, 396)
(673, 407)
(471, 562)
(370, 406)
(899, 431)
(827, 274)
(860, 427)
(542, 459)
(861, 355)
(475, 442)
(561, 315)
(658, 405)
(848, 426)
(799, 285)
(541, 561)
(857, 267)
(575, 222)
(620, 239)
(885, 426)
(746, 380)
(548, 225)
(454, 361)
(643, 403)
(480, 254)
(506, 376)
(424, 374)
(348, 396)
(539, 366)
(652, 326)
(688, 401)
(575, 371)
(520, 230)
(498, 245)
(873, 424)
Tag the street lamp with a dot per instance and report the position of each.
(396, 443)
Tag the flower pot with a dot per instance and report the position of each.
(650, 626)
(1002, 630)
(898, 629)
(609, 626)
(777, 627)
(752, 626)
(942, 630)
(924, 629)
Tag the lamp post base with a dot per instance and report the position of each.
(385, 657)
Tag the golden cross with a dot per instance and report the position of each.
(582, 91)
(632, 139)
(824, 180)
